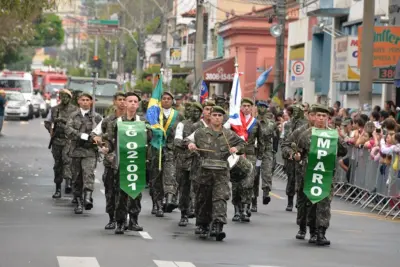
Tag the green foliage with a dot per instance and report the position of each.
(144, 86)
(53, 62)
(76, 72)
(49, 31)
(179, 86)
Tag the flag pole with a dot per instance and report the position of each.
(160, 150)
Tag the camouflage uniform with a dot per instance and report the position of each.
(267, 129)
(212, 178)
(83, 154)
(60, 145)
(163, 183)
(124, 204)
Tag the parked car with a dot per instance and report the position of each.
(37, 100)
(17, 106)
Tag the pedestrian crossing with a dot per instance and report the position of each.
(64, 261)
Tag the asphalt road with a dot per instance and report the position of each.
(37, 231)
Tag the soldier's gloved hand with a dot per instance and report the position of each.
(84, 136)
(297, 156)
(258, 163)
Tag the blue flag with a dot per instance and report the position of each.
(263, 77)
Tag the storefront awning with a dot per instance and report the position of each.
(220, 70)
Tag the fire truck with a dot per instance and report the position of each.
(48, 80)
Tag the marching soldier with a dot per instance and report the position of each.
(295, 122)
(184, 161)
(60, 145)
(109, 169)
(163, 183)
(83, 151)
(214, 144)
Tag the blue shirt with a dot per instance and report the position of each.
(2, 102)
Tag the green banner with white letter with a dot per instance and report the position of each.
(132, 140)
(321, 164)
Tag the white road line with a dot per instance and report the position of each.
(145, 235)
(263, 266)
(165, 263)
(24, 122)
(102, 190)
(184, 264)
(96, 181)
(77, 262)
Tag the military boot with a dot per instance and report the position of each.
(68, 187)
(74, 201)
(198, 230)
(213, 231)
(290, 204)
(170, 204)
(126, 222)
(244, 214)
(154, 209)
(301, 234)
(160, 212)
(79, 208)
(313, 235)
(111, 224)
(133, 223)
(219, 233)
(236, 217)
(184, 219)
(254, 204)
(120, 228)
(205, 231)
(57, 194)
(321, 239)
(88, 200)
(266, 197)
(191, 214)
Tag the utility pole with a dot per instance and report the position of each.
(140, 41)
(164, 37)
(280, 43)
(367, 48)
(198, 50)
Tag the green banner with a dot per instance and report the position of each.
(321, 164)
(132, 140)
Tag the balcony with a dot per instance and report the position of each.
(326, 8)
(188, 54)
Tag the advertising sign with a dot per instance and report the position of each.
(345, 59)
(175, 56)
(386, 45)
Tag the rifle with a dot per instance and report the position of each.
(53, 130)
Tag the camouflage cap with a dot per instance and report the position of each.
(197, 105)
(262, 103)
(66, 91)
(218, 109)
(178, 97)
(320, 108)
(86, 95)
(187, 104)
(128, 94)
(219, 98)
(209, 103)
(346, 122)
(247, 100)
(168, 93)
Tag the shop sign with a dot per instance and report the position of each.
(220, 75)
(345, 59)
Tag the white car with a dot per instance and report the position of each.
(17, 106)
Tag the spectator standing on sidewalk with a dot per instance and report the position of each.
(3, 102)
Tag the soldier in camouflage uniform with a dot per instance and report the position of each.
(242, 189)
(221, 102)
(267, 128)
(83, 151)
(184, 160)
(163, 183)
(124, 203)
(109, 170)
(60, 145)
(316, 216)
(297, 120)
(214, 145)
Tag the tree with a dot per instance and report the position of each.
(53, 62)
(48, 31)
(179, 86)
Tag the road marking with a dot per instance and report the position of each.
(364, 214)
(96, 181)
(77, 262)
(145, 235)
(263, 266)
(165, 263)
(276, 196)
(42, 122)
(24, 122)
(102, 190)
(184, 264)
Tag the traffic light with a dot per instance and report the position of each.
(97, 62)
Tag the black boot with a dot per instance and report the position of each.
(159, 212)
(120, 228)
(111, 224)
(321, 239)
(244, 213)
(74, 201)
(198, 230)
(79, 208)
(301, 234)
(184, 219)
(313, 235)
(290, 204)
(219, 233)
(266, 197)
(126, 222)
(88, 200)
(204, 231)
(191, 214)
(213, 231)
(170, 204)
(254, 204)
(133, 223)
(57, 194)
(68, 187)
(236, 217)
